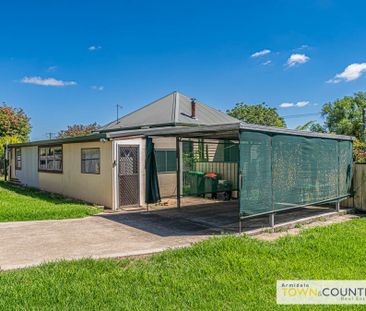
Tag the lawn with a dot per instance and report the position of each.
(21, 203)
(228, 273)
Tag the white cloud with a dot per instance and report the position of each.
(302, 47)
(260, 53)
(350, 73)
(298, 104)
(302, 104)
(296, 59)
(46, 82)
(97, 87)
(52, 68)
(94, 47)
(287, 105)
(267, 63)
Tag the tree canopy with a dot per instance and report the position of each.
(14, 123)
(344, 116)
(78, 130)
(257, 114)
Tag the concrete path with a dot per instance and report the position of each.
(30, 243)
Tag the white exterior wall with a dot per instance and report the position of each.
(28, 175)
(93, 188)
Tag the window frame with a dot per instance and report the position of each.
(83, 160)
(166, 160)
(45, 170)
(17, 162)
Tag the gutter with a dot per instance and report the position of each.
(68, 140)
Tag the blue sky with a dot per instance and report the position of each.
(69, 62)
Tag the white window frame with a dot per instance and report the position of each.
(83, 161)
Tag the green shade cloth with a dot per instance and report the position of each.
(282, 171)
(152, 181)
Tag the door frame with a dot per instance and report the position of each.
(120, 186)
(140, 143)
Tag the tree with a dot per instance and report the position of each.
(307, 126)
(78, 130)
(257, 114)
(344, 116)
(316, 127)
(14, 123)
(9, 140)
(311, 126)
(359, 154)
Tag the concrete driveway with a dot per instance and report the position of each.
(31, 243)
(123, 234)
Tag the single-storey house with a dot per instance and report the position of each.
(108, 166)
(181, 139)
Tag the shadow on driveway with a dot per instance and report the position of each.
(205, 219)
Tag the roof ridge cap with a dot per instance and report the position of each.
(176, 108)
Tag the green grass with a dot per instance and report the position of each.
(228, 273)
(21, 203)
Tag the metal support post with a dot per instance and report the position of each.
(363, 125)
(338, 206)
(272, 220)
(178, 158)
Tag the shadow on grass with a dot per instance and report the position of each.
(40, 195)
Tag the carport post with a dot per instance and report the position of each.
(272, 220)
(178, 158)
(338, 206)
(338, 202)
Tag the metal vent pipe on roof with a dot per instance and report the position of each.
(193, 108)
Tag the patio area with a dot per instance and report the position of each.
(205, 216)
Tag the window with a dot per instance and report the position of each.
(90, 161)
(18, 158)
(166, 161)
(50, 159)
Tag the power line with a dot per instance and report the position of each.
(301, 115)
(50, 135)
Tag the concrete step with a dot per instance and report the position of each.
(15, 181)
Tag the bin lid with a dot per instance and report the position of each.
(197, 173)
(211, 175)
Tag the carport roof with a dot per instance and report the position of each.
(223, 131)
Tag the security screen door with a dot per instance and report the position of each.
(128, 176)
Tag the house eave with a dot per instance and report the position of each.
(68, 140)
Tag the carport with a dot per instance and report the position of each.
(279, 171)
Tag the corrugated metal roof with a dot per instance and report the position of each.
(173, 109)
(59, 141)
(230, 130)
(281, 130)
